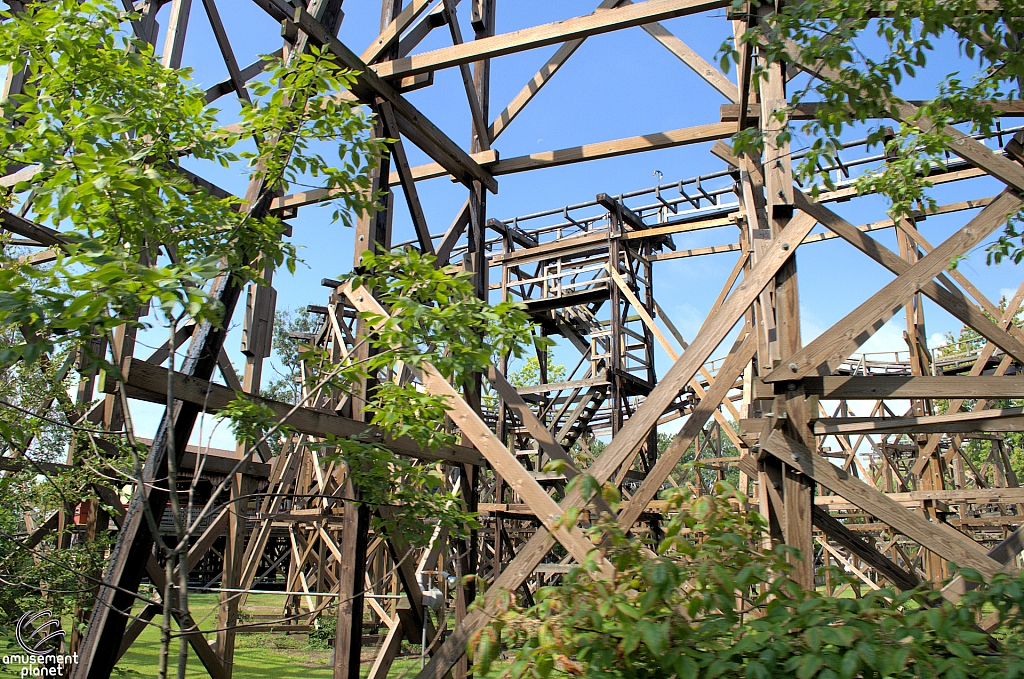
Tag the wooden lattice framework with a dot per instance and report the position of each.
(587, 277)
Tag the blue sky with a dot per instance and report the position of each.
(616, 85)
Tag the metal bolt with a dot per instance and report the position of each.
(791, 386)
(793, 367)
(785, 245)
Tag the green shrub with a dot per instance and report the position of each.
(711, 602)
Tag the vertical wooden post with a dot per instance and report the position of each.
(373, 233)
(798, 489)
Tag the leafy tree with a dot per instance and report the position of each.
(529, 374)
(711, 603)
(98, 133)
(863, 50)
(287, 386)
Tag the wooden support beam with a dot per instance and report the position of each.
(943, 540)
(612, 149)
(452, 235)
(711, 75)
(856, 387)
(995, 419)
(146, 381)
(412, 198)
(390, 35)
(23, 227)
(809, 110)
(547, 34)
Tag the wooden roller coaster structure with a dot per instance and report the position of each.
(891, 497)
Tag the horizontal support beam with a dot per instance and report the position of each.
(956, 496)
(898, 387)
(612, 149)
(148, 382)
(602, 21)
(995, 420)
(730, 113)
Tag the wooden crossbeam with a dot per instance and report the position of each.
(389, 36)
(857, 387)
(809, 110)
(834, 346)
(146, 381)
(547, 34)
(613, 149)
(412, 198)
(996, 419)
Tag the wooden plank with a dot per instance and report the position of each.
(601, 380)
(530, 89)
(979, 420)
(452, 235)
(943, 540)
(808, 110)
(1004, 553)
(711, 75)
(234, 74)
(393, 31)
(857, 387)
(952, 496)
(864, 551)
(601, 21)
(613, 149)
(146, 378)
(412, 198)
(43, 235)
(834, 346)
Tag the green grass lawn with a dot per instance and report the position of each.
(257, 656)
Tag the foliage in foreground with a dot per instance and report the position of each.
(712, 603)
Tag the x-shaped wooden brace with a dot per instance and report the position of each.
(623, 447)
